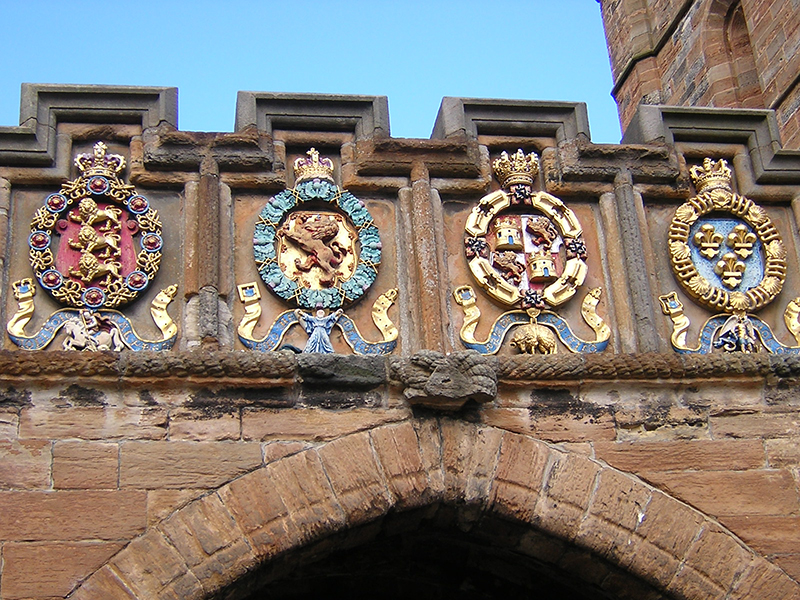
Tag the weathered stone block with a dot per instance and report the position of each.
(273, 451)
(669, 525)
(683, 455)
(9, 424)
(199, 425)
(430, 448)
(314, 424)
(763, 580)
(25, 464)
(520, 476)
(104, 584)
(256, 505)
(306, 492)
(469, 456)
(85, 465)
(763, 492)
(572, 479)
(203, 528)
(39, 570)
(689, 583)
(94, 423)
(175, 465)
(162, 503)
(209, 541)
(783, 452)
(718, 556)
(553, 428)
(148, 564)
(757, 425)
(398, 451)
(72, 515)
(355, 477)
(620, 499)
(767, 534)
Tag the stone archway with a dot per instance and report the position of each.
(346, 484)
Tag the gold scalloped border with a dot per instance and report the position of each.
(697, 286)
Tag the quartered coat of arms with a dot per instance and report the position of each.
(526, 250)
(317, 248)
(727, 256)
(94, 246)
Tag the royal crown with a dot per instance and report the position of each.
(100, 163)
(507, 222)
(517, 168)
(313, 167)
(711, 176)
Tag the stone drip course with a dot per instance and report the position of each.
(314, 370)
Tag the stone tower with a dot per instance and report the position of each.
(715, 53)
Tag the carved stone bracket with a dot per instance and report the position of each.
(446, 382)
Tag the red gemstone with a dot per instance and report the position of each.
(97, 184)
(138, 204)
(51, 278)
(56, 202)
(137, 280)
(152, 242)
(94, 297)
(38, 240)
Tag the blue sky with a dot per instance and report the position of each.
(414, 52)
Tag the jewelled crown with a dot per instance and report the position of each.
(517, 168)
(100, 163)
(711, 176)
(313, 167)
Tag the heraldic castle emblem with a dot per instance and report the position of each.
(526, 250)
(94, 246)
(317, 248)
(727, 256)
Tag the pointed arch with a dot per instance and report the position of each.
(732, 78)
(742, 60)
(211, 543)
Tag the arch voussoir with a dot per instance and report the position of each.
(469, 462)
(103, 583)
(570, 480)
(151, 567)
(519, 476)
(356, 479)
(413, 473)
(262, 516)
(311, 504)
(575, 507)
(210, 542)
(713, 563)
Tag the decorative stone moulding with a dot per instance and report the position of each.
(317, 249)
(526, 250)
(727, 256)
(94, 246)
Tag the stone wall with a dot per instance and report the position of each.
(716, 53)
(211, 470)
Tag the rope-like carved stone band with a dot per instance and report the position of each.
(283, 369)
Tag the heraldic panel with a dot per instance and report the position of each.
(727, 256)
(95, 246)
(526, 251)
(318, 250)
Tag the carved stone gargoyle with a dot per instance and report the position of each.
(446, 382)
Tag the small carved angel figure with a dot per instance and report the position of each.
(318, 327)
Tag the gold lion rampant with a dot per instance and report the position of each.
(316, 237)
